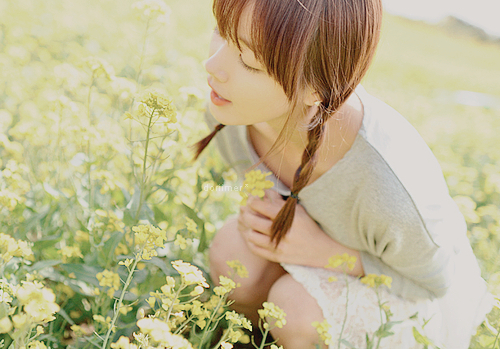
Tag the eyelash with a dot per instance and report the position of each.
(247, 67)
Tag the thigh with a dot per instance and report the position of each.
(228, 245)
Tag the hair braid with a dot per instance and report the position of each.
(200, 145)
(283, 221)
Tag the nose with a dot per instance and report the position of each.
(216, 63)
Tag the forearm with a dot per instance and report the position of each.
(328, 247)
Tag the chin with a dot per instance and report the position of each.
(224, 117)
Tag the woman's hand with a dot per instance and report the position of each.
(304, 244)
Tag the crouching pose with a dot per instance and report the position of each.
(351, 176)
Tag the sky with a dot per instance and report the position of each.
(484, 14)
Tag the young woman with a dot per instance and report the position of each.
(353, 175)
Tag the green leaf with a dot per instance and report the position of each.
(347, 344)
(82, 272)
(106, 253)
(44, 264)
(160, 263)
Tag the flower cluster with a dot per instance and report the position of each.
(254, 184)
(148, 238)
(109, 279)
(37, 301)
(153, 9)
(340, 260)
(238, 267)
(159, 333)
(322, 329)
(68, 252)
(10, 247)
(374, 280)
(190, 274)
(153, 105)
(272, 312)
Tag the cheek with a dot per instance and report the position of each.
(265, 97)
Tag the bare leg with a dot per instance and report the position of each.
(301, 311)
(229, 245)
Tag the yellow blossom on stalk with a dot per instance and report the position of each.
(322, 329)
(271, 311)
(37, 345)
(37, 301)
(153, 9)
(10, 247)
(238, 267)
(238, 320)
(5, 325)
(149, 238)
(154, 105)
(254, 184)
(226, 286)
(191, 225)
(338, 260)
(190, 274)
(180, 241)
(374, 280)
(107, 278)
(68, 252)
(159, 331)
(127, 262)
(123, 343)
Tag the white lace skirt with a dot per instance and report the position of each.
(364, 317)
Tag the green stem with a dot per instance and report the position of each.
(496, 339)
(264, 337)
(380, 310)
(120, 302)
(346, 306)
(144, 165)
(205, 330)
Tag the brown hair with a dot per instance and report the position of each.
(324, 44)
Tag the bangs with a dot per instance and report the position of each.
(280, 34)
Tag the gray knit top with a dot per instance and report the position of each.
(386, 198)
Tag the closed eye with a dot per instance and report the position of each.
(247, 67)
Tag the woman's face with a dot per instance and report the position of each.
(242, 91)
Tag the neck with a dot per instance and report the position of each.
(340, 132)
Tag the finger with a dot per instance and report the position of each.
(255, 221)
(272, 195)
(258, 239)
(267, 208)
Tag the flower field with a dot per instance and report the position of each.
(105, 219)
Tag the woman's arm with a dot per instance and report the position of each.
(305, 244)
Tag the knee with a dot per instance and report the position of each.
(301, 311)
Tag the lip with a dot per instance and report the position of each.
(217, 99)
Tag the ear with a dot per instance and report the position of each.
(311, 97)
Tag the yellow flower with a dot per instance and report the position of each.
(191, 225)
(322, 329)
(238, 320)
(5, 325)
(190, 274)
(148, 238)
(123, 343)
(238, 267)
(271, 311)
(374, 280)
(226, 345)
(37, 301)
(180, 241)
(127, 262)
(338, 260)
(19, 320)
(226, 286)
(10, 247)
(255, 183)
(68, 252)
(107, 278)
(37, 345)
